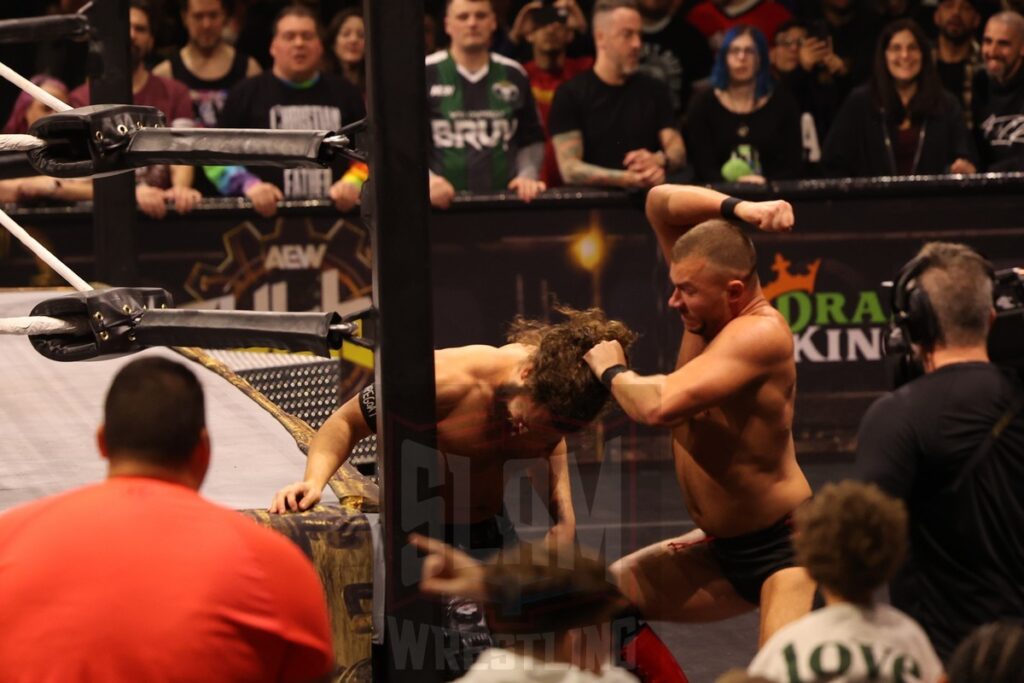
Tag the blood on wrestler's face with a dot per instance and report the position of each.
(526, 417)
(699, 295)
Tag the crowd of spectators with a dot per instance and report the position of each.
(525, 95)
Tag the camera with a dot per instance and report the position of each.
(1004, 339)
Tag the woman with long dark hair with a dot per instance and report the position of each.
(902, 122)
(346, 47)
(743, 128)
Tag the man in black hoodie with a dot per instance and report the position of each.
(998, 106)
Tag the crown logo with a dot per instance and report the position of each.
(787, 281)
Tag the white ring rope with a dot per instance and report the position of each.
(43, 253)
(26, 143)
(32, 89)
(9, 142)
(18, 142)
(41, 324)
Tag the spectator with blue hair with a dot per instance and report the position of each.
(744, 129)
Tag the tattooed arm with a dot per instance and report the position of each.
(575, 171)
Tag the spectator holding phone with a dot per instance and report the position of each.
(803, 63)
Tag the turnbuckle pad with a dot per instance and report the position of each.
(90, 141)
(111, 314)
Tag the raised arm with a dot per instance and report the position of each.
(739, 356)
(674, 209)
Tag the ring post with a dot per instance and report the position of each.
(398, 210)
(110, 82)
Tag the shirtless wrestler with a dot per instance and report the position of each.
(729, 404)
(493, 405)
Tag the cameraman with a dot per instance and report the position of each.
(950, 444)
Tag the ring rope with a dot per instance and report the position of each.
(19, 142)
(41, 324)
(43, 253)
(34, 90)
(353, 489)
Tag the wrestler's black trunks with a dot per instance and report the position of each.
(482, 539)
(748, 560)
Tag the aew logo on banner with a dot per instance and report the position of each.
(303, 264)
(828, 326)
(297, 266)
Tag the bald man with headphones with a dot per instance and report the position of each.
(950, 444)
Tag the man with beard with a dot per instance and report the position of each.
(998, 102)
(550, 67)
(208, 65)
(494, 405)
(957, 54)
(612, 126)
(158, 184)
(729, 404)
(673, 50)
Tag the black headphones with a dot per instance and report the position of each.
(913, 318)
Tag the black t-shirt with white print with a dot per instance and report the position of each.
(265, 101)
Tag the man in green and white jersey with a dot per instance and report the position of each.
(485, 132)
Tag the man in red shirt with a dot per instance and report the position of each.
(138, 578)
(157, 184)
(550, 67)
(714, 18)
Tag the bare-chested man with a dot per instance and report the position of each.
(729, 404)
(494, 404)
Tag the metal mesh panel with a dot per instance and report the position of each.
(308, 391)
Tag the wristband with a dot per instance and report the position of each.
(368, 406)
(728, 208)
(611, 373)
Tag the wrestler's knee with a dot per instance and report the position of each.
(620, 569)
(625, 572)
(792, 585)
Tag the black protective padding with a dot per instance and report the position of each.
(90, 141)
(112, 315)
(15, 165)
(112, 138)
(39, 29)
(220, 146)
(293, 332)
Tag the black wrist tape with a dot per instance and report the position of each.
(728, 208)
(611, 373)
(368, 406)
